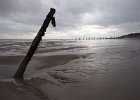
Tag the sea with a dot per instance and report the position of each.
(107, 69)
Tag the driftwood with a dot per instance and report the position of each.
(35, 43)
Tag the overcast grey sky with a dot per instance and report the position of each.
(23, 18)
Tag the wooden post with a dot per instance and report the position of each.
(35, 43)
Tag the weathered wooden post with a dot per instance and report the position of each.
(35, 43)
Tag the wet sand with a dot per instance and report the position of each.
(37, 62)
(30, 88)
(108, 70)
(72, 84)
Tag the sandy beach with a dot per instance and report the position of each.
(72, 70)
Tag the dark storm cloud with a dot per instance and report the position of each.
(106, 13)
(26, 16)
(11, 7)
(120, 12)
(20, 11)
(19, 16)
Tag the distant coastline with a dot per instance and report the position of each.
(132, 35)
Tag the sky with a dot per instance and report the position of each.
(22, 19)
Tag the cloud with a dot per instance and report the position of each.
(79, 17)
